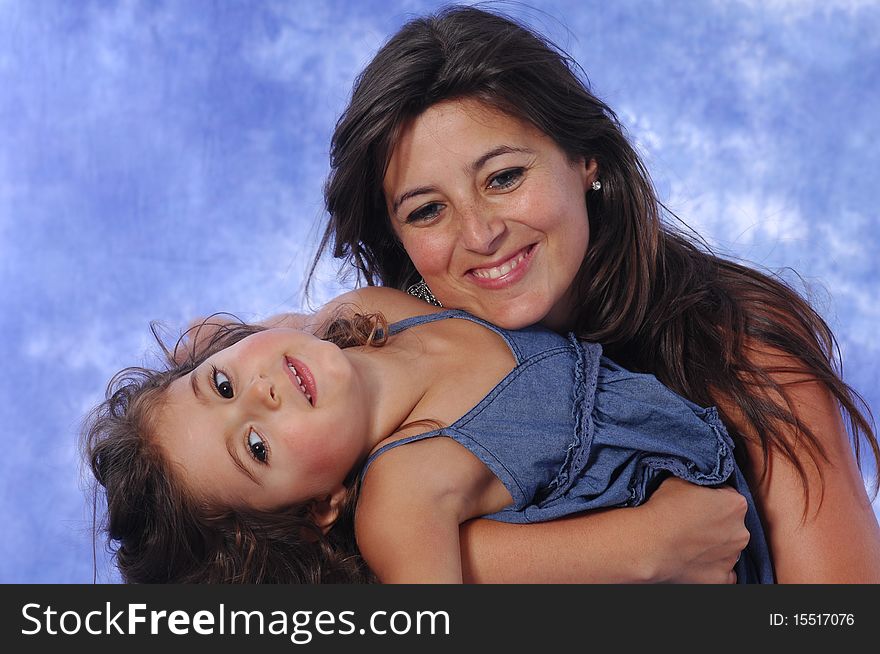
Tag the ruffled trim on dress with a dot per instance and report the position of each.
(651, 466)
(621, 450)
(586, 374)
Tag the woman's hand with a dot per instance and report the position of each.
(701, 532)
(202, 330)
(198, 335)
(683, 534)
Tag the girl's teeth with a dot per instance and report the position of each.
(299, 381)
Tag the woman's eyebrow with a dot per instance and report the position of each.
(421, 190)
(481, 161)
(473, 167)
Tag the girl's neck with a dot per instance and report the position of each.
(394, 378)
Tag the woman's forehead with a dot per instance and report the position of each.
(464, 131)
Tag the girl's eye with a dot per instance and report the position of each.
(505, 179)
(257, 447)
(222, 384)
(425, 213)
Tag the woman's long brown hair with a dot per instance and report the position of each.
(655, 298)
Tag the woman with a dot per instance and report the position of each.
(474, 167)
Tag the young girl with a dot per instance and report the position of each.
(262, 457)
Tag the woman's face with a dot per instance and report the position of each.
(491, 211)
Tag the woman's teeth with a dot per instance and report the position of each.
(503, 269)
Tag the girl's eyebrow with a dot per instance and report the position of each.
(230, 447)
(239, 463)
(194, 382)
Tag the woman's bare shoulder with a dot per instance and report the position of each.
(390, 302)
(814, 505)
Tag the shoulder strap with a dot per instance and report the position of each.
(414, 321)
(393, 444)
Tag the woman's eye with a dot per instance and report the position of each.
(506, 178)
(257, 447)
(222, 384)
(425, 213)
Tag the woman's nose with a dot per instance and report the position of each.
(481, 230)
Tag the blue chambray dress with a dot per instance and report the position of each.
(568, 430)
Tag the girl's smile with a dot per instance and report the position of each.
(277, 418)
(302, 378)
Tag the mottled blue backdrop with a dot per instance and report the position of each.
(161, 160)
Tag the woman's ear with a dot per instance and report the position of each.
(590, 172)
(325, 510)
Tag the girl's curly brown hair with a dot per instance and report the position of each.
(160, 533)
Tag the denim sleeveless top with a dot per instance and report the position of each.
(568, 430)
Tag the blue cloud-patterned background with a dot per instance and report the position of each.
(163, 160)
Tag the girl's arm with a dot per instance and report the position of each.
(682, 534)
(409, 537)
(409, 511)
(830, 533)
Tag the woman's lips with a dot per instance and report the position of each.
(509, 271)
(302, 378)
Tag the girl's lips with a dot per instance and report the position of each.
(302, 378)
(505, 273)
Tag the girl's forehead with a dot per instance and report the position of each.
(187, 387)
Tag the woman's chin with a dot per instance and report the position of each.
(515, 314)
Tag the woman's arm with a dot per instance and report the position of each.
(682, 534)
(393, 304)
(830, 533)
(202, 330)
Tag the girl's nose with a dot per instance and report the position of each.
(262, 390)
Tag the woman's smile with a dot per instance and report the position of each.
(491, 211)
(506, 273)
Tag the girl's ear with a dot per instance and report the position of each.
(325, 510)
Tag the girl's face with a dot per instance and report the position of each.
(491, 211)
(276, 419)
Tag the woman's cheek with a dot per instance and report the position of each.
(428, 252)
